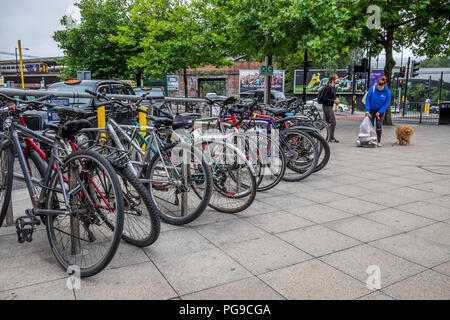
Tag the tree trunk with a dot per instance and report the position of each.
(139, 78)
(390, 64)
(185, 83)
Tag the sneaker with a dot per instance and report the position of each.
(379, 145)
(334, 140)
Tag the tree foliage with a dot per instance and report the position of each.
(88, 46)
(171, 35)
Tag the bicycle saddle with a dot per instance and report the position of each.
(276, 111)
(72, 112)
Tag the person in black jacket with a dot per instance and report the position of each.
(329, 99)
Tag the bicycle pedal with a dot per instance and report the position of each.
(29, 213)
(25, 228)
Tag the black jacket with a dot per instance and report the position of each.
(329, 95)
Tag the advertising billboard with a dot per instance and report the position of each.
(316, 79)
(374, 76)
(250, 80)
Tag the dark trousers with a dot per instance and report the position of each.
(330, 118)
(378, 124)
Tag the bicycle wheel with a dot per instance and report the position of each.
(89, 236)
(323, 127)
(273, 163)
(36, 167)
(234, 178)
(180, 183)
(6, 178)
(141, 221)
(323, 150)
(301, 154)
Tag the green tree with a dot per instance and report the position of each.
(88, 46)
(171, 35)
(282, 30)
(422, 26)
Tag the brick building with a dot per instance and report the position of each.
(226, 80)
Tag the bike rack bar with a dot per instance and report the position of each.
(27, 92)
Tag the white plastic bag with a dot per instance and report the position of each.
(367, 135)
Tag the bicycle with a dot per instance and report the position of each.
(80, 200)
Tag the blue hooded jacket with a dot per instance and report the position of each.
(377, 100)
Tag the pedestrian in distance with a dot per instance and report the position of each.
(328, 101)
(377, 101)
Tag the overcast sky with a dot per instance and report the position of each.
(35, 21)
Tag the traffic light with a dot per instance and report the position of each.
(364, 64)
(401, 83)
(401, 74)
(428, 84)
(415, 69)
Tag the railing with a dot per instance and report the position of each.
(414, 112)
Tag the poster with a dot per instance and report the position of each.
(316, 79)
(374, 76)
(172, 83)
(250, 80)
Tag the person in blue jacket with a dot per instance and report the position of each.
(377, 101)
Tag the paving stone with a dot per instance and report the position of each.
(212, 216)
(140, 281)
(377, 295)
(26, 270)
(349, 190)
(362, 229)
(442, 201)
(265, 254)
(235, 230)
(442, 189)
(416, 249)
(246, 289)
(355, 206)
(320, 213)
(257, 207)
(279, 221)
(414, 194)
(287, 202)
(443, 268)
(428, 285)
(398, 219)
(426, 209)
(200, 270)
(177, 242)
(52, 290)
(321, 196)
(385, 199)
(438, 232)
(375, 185)
(314, 280)
(355, 261)
(10, 246)
(318, 240)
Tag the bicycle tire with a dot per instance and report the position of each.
(6, 178)
(230, 202)
(117, 209)
(324, 149)
(150, 233)
(163, 207)
(300, 172)
(322, 125)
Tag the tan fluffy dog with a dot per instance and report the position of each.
(404, 134)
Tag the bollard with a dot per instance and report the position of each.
(143, 123)
(101, 121)
(9, 215)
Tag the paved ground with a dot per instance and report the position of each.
(388, 207)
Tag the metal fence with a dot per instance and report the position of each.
(414, 112)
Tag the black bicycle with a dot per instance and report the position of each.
(80, 201)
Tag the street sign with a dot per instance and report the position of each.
(172, 83)
(63, 102)
(266, 70)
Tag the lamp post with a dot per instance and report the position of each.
(17, 64)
